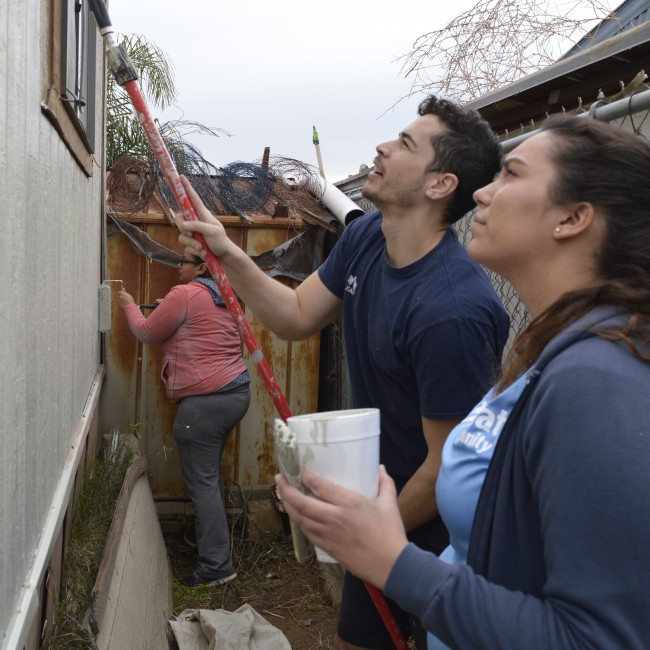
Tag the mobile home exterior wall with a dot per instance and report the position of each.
(51, 180)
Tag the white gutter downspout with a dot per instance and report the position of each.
(28, 603)
(343, 208)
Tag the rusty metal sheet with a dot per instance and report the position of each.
(118, 397)
(135, 395)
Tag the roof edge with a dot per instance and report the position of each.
(626, 40)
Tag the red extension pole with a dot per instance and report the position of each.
(126, 76)
(169, 170)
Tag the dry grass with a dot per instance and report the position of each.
(85, 548)
(291, 596)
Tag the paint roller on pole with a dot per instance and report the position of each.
(126, 76)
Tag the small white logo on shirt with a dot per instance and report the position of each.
(352, 284)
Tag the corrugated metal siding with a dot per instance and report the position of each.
(50, 247)
(134, 395)
(628, 14)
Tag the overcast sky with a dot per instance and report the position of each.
(266, 72)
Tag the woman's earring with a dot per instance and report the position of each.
(558, 229)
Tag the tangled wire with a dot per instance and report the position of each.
(237, 188)
(297, 184)
(244, 187)
(189, 161)
(130, 185)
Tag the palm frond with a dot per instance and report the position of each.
(124, 135)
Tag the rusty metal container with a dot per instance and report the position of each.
(134, 398)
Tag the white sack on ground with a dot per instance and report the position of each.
(218, 629)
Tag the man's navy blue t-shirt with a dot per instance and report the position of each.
(424, 340)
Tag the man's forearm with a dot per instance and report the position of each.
(292, 314)
(417, 500)
(274, 303)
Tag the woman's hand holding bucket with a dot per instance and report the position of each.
(365, 535)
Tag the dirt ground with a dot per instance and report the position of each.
(292, 597)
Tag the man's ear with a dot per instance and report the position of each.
(441, 185)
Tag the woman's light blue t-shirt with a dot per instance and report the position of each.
(465, 459)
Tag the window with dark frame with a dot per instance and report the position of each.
(79, 37)
(69, 90)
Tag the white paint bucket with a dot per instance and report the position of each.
(343, 447)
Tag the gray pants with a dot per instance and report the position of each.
(201, 428)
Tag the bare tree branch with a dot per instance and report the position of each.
(495, 43)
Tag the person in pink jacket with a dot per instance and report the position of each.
(204, 372)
